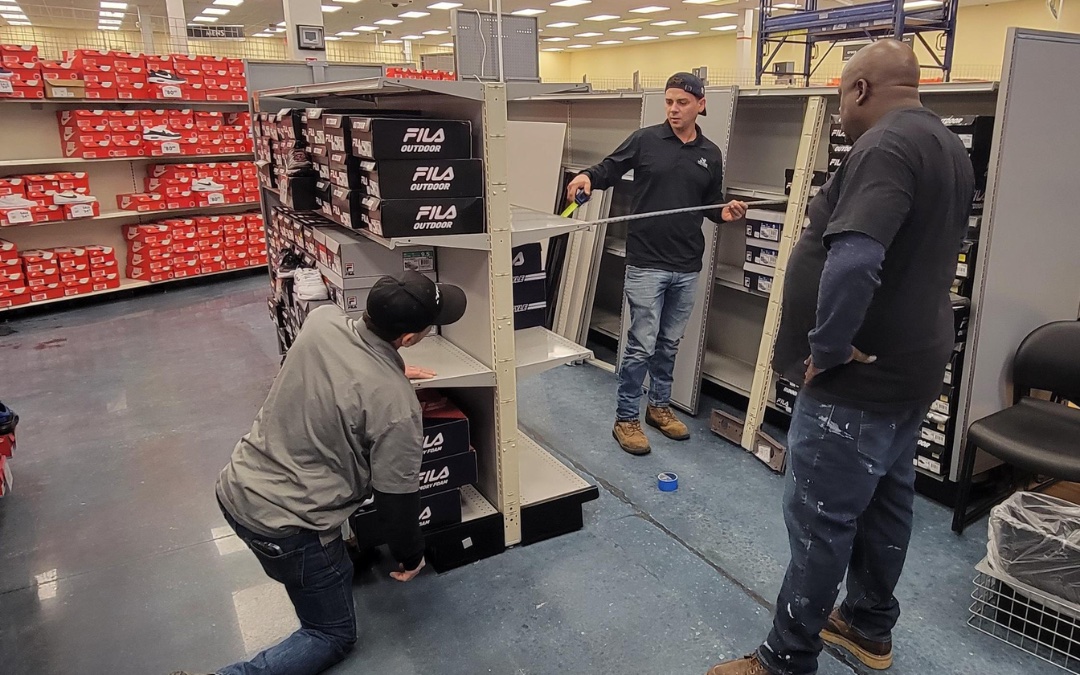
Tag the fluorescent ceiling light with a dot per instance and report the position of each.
(114, 5)
(445, 5)
(698, 2)
(8, 2)
(650, 9)
(330, 9)
(348, 2)
(642, 38)
(610, 42)
(579, 46)
(683, 33)
(331, 37)
(920, 4)
(587, 35)
(366, 29)
(414, 15)
(557, 39)
(276, 30)
(625, 29)
(215, 11)
(109, 22)
(112, 15)
(17, 17)
(786, 5)
(731, 27)
(446, 44)
(229, 3)
(551, 49)
(528, 12)
(435, 32)
(601, 17)
(262, 35)
(391, 42)
(412, 37)
(346, 33)
(719, 15)
(637, 20)
(27, 23)
(281, 24)
(570, 3)
(669, 22)
(561, 24)
(387, 22)
(205, 19)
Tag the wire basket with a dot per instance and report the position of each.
(1026, 619)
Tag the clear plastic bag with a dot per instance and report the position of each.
(1035, 540)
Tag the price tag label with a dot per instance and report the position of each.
(19, 216)
(215, 198)
(170, 148)
(171, 91)
(6, 88)
(962, 270)
(82, 210)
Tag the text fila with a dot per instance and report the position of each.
(423, 139)
(432, 178)
(436, 443)
(435, 217)
(434, 476)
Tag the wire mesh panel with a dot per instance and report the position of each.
(477, 52)
(1020, 619)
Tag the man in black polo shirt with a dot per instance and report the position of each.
(674, 166)
(867, 328)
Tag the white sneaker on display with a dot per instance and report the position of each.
(16, 202)
(309, 285)
(160, 133)
(206, 185)
(71, 197)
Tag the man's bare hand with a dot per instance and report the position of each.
(813, 371)
(418, 373)
(404, 575)
(580, 182)
(733, 210)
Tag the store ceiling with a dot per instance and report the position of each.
(584, 25)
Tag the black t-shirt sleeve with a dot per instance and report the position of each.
(876, 195)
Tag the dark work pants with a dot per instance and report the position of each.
(848, 508)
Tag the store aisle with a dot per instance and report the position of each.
(113, 557)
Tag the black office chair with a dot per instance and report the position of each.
(1041, 438)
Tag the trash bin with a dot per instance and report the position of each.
(1035, 539)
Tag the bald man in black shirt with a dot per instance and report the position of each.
(867, 328)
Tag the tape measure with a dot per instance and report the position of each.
(580, 198)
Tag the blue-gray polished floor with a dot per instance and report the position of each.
(114, 558)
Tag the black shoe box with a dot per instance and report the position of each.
(345, 170)
(299, 193)
(762, 252)
(786, 393)
(436, 510)
(346, 202)
(836, 132)
(965, 260)
(423, 217)
(338, 132)
(945, 403)
(530, 315)
(527, 259)
(530, 289)
(818, 179)
(446, 428)
(287, 125)
(448, 473)
(388, 138)
(765, 229)
(412, 179)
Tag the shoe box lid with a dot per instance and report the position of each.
(402, 138)
(351, 256)
(426, 217)
(411, 179)
(447, 473)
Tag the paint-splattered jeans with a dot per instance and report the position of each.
(848, 508)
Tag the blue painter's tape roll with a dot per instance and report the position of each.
(667, 482)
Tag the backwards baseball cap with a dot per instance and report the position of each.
(688, 82)
(409, 302)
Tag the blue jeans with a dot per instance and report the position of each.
(848, 508)
(318, 578)
(660, 305)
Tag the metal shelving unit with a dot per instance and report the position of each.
(523, 493)
(76, 161)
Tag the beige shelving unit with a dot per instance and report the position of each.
(523, 493)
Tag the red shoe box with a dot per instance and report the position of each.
(75, 254)
(9, 254)
(31, 215)
(140, 201)
(42, 280)
(14, 297)
(98, 137)
(128, 75)
(98, 75)
(101, 150)
(187, 65)
(105, 272)
(236, 241)
(181, 200)
(165, 148)
(58, 70)
(256, 251)
(167, 186)
(205, 199)
(211, 257)
(214, 116)
(75, 280)
(105, 283)
(185, 245)
(18, 91)
(137, 272)
(235, 225)
(76, 181)
(90, 57)
(34, 260)
(212, 267)
(25, 74)
(153, 118)
(136, 91)
(12, 185)
(153, 234)
(159, 250)
(50, 292)
(160, 62)
(174, 171)
(101, 255)
(153, 258)
(19, 53)
(77, 211)
(12, 272)
(194, 92)
(216, 244)
(37, 185)
(105, 91)
(13, 285)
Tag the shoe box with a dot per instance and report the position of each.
(817, 180)
(412, 179)
(351, 294)
(786, 393)
(352, 256)
(446, 428)
(436, 510)
(344, 170)
(762, 252)
(423, 217)
(401, 138)
(26, 76)
(767, 225)
(758, 278)
(976, 132)
(529, 287)
(839, 145)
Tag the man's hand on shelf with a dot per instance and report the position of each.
(418, 373)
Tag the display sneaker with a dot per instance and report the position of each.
(163, 77)
(747, 665)
(160, 133)
(299, 164)
(309, 285)
(287, 263)
(872, 654)
(72, 197)
(8, 420)
(5, 73)
(206, 185)
(663, 419)
(631, 437)
(16, 202)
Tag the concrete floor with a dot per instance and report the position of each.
(114, 558)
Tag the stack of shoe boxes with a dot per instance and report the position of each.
(13, 291)
(839, 145)
(449, 464)
(291, 172)
(763, 230)
(530, 287)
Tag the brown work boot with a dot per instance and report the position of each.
(747, 665)
(631, 438)
(665, 420)
(876, 655)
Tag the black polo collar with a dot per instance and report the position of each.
(667, 132)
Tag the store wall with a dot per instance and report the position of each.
(980, 46)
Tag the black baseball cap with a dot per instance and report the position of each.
(409, 302)
(688, 82)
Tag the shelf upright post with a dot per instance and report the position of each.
(809, 139)
(500, 265)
